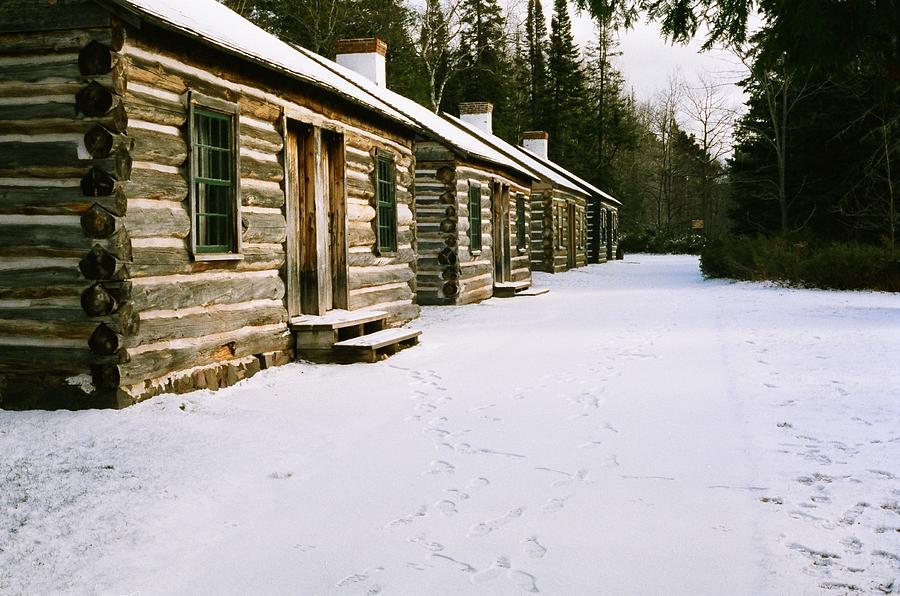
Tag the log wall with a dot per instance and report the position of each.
(449, 272)
(101, 300)
(550, 232)
(63, 153)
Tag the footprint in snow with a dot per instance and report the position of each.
(446, 508)
(497, 568)
(486, 527)
(533, 548)
(478, 483)
(422, 540)
(553, 505)
(524, 581)
(358, 577)
(440, 467)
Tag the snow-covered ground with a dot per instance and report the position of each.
(638, 430)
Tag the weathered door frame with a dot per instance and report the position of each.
(315, 208)
(609, 235)
(572, 244)
(500, 231)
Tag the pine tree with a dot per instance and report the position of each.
(536, 40)
(485, 76)
(566, 91)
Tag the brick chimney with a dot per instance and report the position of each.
(365, 56)
(536, 141)
(479, 114)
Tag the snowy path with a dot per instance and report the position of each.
(636, 431)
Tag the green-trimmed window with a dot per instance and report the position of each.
(213, 182)
(474, 216)
(520, 222)
(387, 205)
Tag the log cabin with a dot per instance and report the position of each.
(473, 208)
(560, 202)
(185, 200)
(602, 210)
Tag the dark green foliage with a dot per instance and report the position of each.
(318, 24)
(834, 266)
(486, 65)
(536, 41)
(662, 242)
(566, 94)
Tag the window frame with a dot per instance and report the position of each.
(391, 161)
(521, 224)
(199, 103)
(475, 218)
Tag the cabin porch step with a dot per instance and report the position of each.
(508, 289)
(337, 319)
(348, 336)
(367, 348)
(533, 292)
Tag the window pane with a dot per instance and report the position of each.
(213, 188)
(387, 207)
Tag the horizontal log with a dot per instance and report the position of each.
(372, 297)
(146, 183)
(262, 195)
(56, 117)
(258, 139)
(259, 108)
(125, 321)
(171, 261)
(263, 228)
(208, 322)
(58, 159)
(176, 292)
(69, 40)
(54, 200)
(248, 341)
(360, 213)
(360, 233)
(154, 109)
(162, 222)
(34, 69)
(43, 234)
(158, 147)
(40, 359)
(259, 169)
(366, 277)
(23, 15)
(369, 258)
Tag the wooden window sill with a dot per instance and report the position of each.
(218, 257)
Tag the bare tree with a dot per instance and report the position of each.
(712, 119)
(664, 124)
(437, 46)
(783, 89)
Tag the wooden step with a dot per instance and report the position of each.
(533, 292)
(508, 289)
(336, 319)
(367, 348)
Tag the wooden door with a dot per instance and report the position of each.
(316, 243)
(609, 235)
(572, 244)
(500, 231)
(335, 172)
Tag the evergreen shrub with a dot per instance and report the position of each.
(662, 242)
(835, 266)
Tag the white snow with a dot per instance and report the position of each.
(638, 430)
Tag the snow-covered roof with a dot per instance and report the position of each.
(217, 25)
(527, 159)
(439, 128)
(577, 180)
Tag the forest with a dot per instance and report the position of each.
(811, 159)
